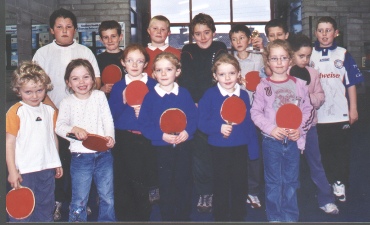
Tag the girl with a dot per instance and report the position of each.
(134, 162)
(230, 155)
(301, 46)
(281, 162)
(174, 163)
(86, 111)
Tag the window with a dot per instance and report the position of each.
(254, 14)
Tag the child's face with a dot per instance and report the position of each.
(134, 64)
(158, 32)
(165, 73)
(32, 93)
(81, 82)
(278, 61)
(227, 76)
(277, 33)
(111, 40)
(239, 41)
(203, 36)
(302, 57)
(325, 34)
(63, 31)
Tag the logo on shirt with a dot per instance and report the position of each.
(338, 63)
(268, 91)
(38, 119)
(329, 75)
(324, 60)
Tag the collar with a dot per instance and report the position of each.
(162, 48)
(143, 79)
(224, 92)
(63, 46)
(325, 50)
(162, 92)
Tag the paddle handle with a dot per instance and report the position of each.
(72, 135)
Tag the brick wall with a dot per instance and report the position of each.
(353, 18)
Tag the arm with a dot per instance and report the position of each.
(106, 116)
(317, 94)
(206, 121)
(14, 178)
(98, 83)
(353, 114)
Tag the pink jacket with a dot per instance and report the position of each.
(263, 114)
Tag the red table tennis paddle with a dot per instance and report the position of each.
(20, 202)
(173, 121)
(93, 142)
(135, 92)
(111, 74)
(252, 79)
(233, 110)
(288, 116)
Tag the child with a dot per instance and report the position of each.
(301, 46)
(240, 38)
(54, 58)
(158, 30)
(110, 32)
(31, 143)
(174, 163)
(339, 75)
(86, 111)
(134, 161)
(230, 155)
(281, 161)
(196, 61)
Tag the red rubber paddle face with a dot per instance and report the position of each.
(233, 110)
(111, 74)
(95, 142)
(173, 121)
(20, 202)
(135, 92)
(289, 116)
(252, 79)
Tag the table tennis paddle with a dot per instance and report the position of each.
(111, 74)
(233, 110)
(20, 202)
(135, 92)
(288, 116)
(173, 121)
(252, 79)
(93, 142)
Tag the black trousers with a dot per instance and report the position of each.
(335, 151)
(135, 173)
(230, 188)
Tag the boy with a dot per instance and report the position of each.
(339, 75)
(240, 38)
(31, 143)
(54, 58)
(110, 32)
(158, 30)
(196, 61)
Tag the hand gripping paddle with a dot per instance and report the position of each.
(288, 116)
(252, 79)
(173, 121)
(20, 202)
(135, 92)
(233, 110)
(93, 142)
(111, 74)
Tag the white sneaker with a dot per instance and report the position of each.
(57, 213)
(339, 191)
(330, 208)
(254, 201)
(205, 203)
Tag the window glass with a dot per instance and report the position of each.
(179, 36)
(177, 11)
(218, 9)
(247, 11)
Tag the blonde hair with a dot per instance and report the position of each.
(29, 71)
(227, 59)
(160, 18)
(275, 44)
(170, 57)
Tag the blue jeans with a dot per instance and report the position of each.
(313, 158)
(281, 164)
(84, 168)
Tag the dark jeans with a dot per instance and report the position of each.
(202, 164)
(335, 151)
(135, 172)
(175, 181)
(230, 166)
